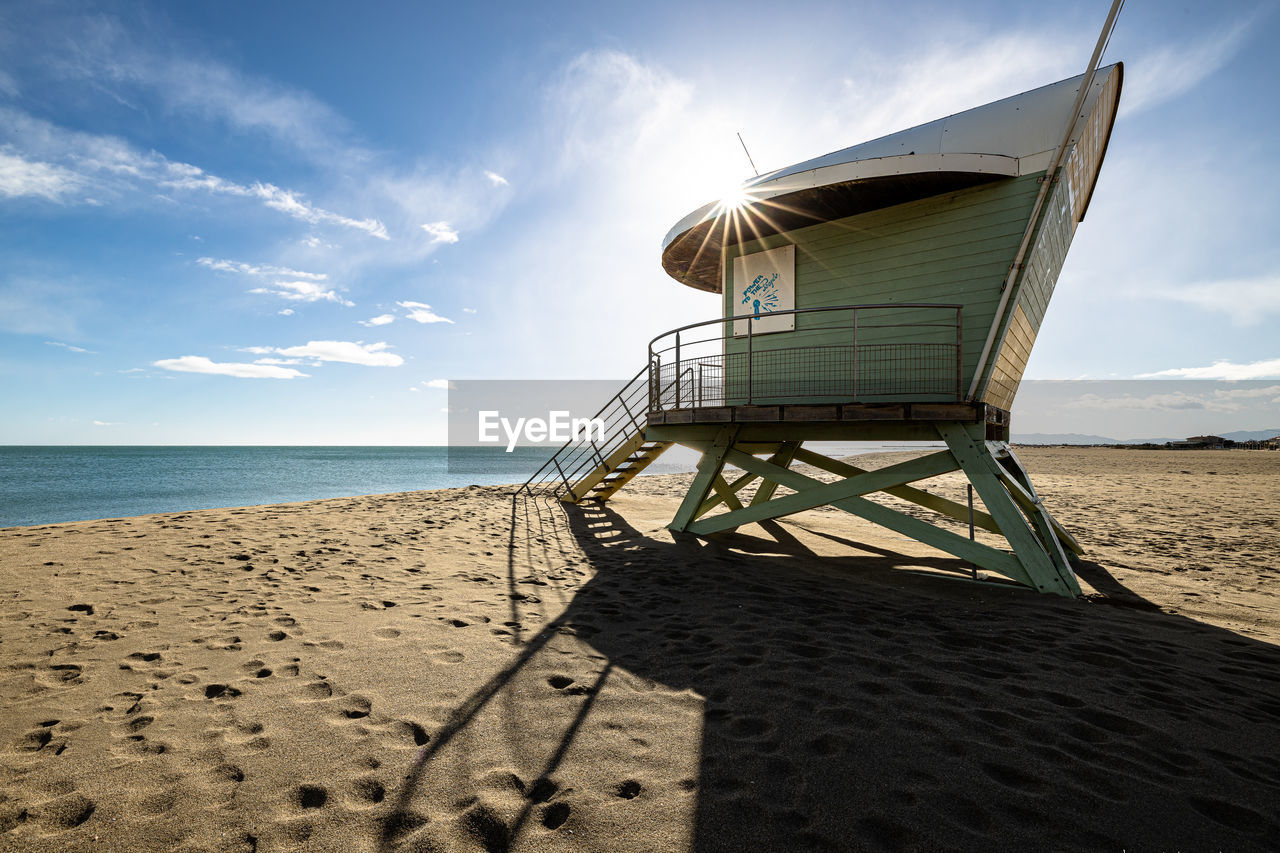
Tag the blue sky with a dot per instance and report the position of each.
(288, 223)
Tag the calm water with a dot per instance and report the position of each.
(45, 485)
(41, 485)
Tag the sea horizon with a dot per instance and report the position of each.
(55, 484)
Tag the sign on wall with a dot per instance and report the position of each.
(763, 283)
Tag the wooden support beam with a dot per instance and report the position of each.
(991, 559)
(709, 467)
(726, 494)
(1046, 573)
(810, 492)
(937, 503)
(1018, 481)
(715, 500)
(783, 458)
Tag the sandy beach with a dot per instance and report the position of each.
(458, 671)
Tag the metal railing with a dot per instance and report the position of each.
(623, 416)
(699, 369)
(843, 353)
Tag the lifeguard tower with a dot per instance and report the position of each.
(888, 291)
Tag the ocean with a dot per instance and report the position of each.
(47, 485)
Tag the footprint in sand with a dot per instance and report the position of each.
(317, 690)
(63, 813)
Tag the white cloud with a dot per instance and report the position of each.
(1266, 369)
(287, 312)
(200, 364)
(421, 312)
(277, 361)
(258, 269)
(106, 423)
(411, 388)
(443, 384)
(468, 310)
(302, 291)
(441, 232)
(380, 320)
(289, 202)
(370, 355)
(1247, 301)
(496, 179)
(69, 347)
(21, 177)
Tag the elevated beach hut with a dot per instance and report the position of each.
(888, 291)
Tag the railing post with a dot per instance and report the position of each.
(677, 370)
(855, 354)
(959, 350)
(750, 360)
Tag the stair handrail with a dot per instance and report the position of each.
(614, 401)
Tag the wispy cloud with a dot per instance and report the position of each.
(287, 312)
(1266, 369)
(420, 312)
(1170, 71)
(496, 179)
(380, 320)
(1247, 301)
(131, 68)
(443, 384)
(302, 291)
(22, 177)
(291, 203)
(441, 232)
(304, 288)
(72, 166)
(106, 423)
(200, 364)
(258, 269)
(69, 347)
(348, 352)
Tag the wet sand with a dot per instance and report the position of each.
(455, 671)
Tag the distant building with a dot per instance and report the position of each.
(1201, 442)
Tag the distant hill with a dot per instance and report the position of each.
(1079, 438)
(1251, 434)
(1060, 438)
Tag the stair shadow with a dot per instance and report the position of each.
(849, 706)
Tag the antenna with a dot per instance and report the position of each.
(748, 153)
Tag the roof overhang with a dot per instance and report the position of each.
(1004, 139)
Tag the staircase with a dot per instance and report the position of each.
(583, 468)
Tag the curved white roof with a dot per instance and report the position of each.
(1007, 138)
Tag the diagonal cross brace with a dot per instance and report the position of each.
(810, 492)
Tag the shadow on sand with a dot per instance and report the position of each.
(848, 705)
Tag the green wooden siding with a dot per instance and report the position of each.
(954, 247)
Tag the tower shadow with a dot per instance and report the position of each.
(848, 705)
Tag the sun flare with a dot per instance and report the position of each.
(735, 199)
